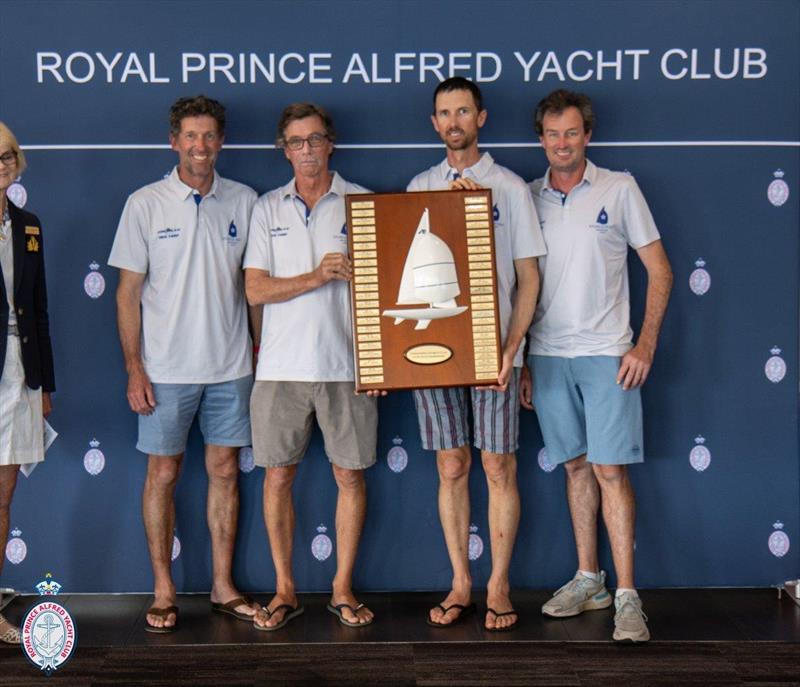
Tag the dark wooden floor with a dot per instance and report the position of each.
(700, 637)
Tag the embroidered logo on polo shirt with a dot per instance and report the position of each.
(496, 213)
(168, 233)
(279, 231)
(601, 223)
(232, 237)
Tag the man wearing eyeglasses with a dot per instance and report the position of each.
(182, 320)
(297, 268)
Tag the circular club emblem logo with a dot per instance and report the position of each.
(778, 190)
(544, 461)
(93, 283)
(699, 456)
(17, 194)
(775, 367)
(397, 458)
(700, 279)
(16, 548)
(93, 460)
(176, 547)
(778, 541)
(475, 544)
(48, 635)
(246, 460)
(321, 545)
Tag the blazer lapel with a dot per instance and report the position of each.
(18, 241)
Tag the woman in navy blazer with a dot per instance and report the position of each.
(26, 355)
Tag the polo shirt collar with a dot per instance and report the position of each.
(477, 171)
(338, 187)
(589, 177)
(184, 190)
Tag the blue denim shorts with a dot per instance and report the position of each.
(223, 412)
(581, 409)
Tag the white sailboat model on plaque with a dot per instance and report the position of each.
(429, 278)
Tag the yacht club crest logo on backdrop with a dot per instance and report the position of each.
(700, 279)
(17, 194)
(93, 460)
(778, 541)
(700, 456)
(397, 457)
(94, 284)
(775, 367)
(176, 547)
(475, 547)
(321, 545)
(778, 190)
(246, 460)
(544, 461)
(16, 548)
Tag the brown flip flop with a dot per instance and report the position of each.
(229, 608)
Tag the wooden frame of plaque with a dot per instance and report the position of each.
(424, 289)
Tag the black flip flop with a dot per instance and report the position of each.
(500, 615)
(465, 611)
(337, 611)
(291, 613)
(161, 613)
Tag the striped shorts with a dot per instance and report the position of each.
(444, 418)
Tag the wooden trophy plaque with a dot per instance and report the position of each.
(424, 289)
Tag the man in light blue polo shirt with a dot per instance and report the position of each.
(586, 369)
(182, 320)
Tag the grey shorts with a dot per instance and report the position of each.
(282, 418)
(443, 417)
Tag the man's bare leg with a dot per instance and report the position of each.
(222, 512)
(501, 477)
(279, 519)
(619, 515)
(453, 466)
(158, 511)
(583, 496)
(351, 509)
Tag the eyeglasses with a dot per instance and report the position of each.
(314, 141)
(9, 159)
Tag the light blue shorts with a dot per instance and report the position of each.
(443, 417)
(223, 411)
(582, 409)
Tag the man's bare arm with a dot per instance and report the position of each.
(637, 362)
(129, 321)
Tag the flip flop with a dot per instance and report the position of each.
(337, 611)
(229, 608)
(465, 611)
(161, 613)
(500, 615)
(291, 613)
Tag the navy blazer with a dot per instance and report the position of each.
(30, 300)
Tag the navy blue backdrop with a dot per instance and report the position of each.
(700, 101)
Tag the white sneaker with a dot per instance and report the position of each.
(630, 620)
(578, 595)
